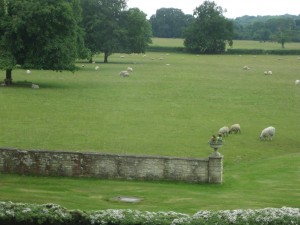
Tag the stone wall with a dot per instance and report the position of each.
(109, 166)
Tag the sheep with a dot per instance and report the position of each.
(268, 72)
(297, 82)
(224, 131)
(267, 133)
(129, 69)
(236, 128)
(96, 67)
(28, 71)
(124, 73)
(35, 86)
(246, 68)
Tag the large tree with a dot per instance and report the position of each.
(135, 31)
(39, 34)
(101, 20)
(211, 30)
(110, 28)
(169, 22)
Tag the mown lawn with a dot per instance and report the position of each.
(170, 105)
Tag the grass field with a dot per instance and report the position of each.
(170, 105)
(237, 44)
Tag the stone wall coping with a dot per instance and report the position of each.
(105, 154)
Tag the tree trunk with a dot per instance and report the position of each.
(8, 79)
(105, 57)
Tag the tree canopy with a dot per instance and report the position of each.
(40, 34)
(170, 22)
(136, 31)
(210, 31)
(282, 28)
(110, 28)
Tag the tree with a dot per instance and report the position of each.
(283, 29)
(135, 31)
(110, 28)
(169, 22)
(101, 24)
(211, 30)
(39, 34)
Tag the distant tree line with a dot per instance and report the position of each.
(173, 23)
(284, 28)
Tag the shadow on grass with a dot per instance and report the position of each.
(28, 84)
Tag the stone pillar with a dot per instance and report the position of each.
(215, 168)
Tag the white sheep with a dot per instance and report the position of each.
(297, 82)
(35, 86)
(270, 72)
(224, 131)
(96, 67)
(267, 133)
(236, 128)
(246, 68)
(28, 71)
(266, 72)
(124, 73)
(129, 69)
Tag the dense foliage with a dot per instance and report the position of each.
(39, 34)
(170, 22)
(211, 30)
(110, 28)
(32, 214)
(281, 29)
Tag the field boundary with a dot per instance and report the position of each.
(111, 166)
(229, 51)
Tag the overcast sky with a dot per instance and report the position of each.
(235, 8)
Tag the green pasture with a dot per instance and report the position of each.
(237, 44)
(170, 105)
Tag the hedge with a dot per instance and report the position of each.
(262, 52)
(50, 214)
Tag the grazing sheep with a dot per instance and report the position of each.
(236, 128)
(268, 72)
(96, 67)
(28, 71)
(35, 86)
(124, 73)
(246, 68)
(223, 131)
(267, 133)
(129, 69)
(297, 82)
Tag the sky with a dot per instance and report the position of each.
(235, 8)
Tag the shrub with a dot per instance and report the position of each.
(50, 214)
